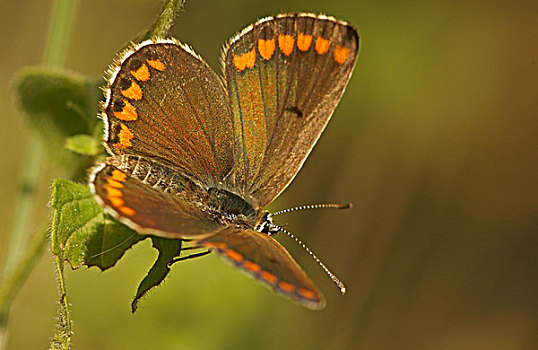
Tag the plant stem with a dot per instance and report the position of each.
(165, 20)
(55, 53)
(16, 278)
(20, 225)
(63, 13)
(62, 335)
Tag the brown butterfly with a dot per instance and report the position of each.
(197, 157)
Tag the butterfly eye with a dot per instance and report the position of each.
(263, 227)
(266, 224)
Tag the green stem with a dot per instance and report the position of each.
(20, 224)
(12, 283)
(15, 279)
(165, 20)
(55, 54)
(62, 335)
(16, 267)
(62, 16)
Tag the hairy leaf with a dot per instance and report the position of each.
(83, 232)
(57, 104)
(83, 144)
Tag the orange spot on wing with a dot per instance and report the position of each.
(341, 54)
(266, 48)
(125, 137)
(218, 245)
(304, 41)
(307, 294)
(269, 277)
(116, 201)
(127, 211)
(142, 73)
(249, 265)
(134, 92)
(245, 60)
(113, 192)
(128, 113)
(119, 175)
(156, 64)
(286, 287)
(285, 43)
(235, 256)
(322, 45)
(114, 183)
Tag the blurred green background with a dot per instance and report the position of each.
(435, 143)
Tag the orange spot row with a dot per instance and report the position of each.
(253, 267)
(304, 41)
(257, 270)
(116, 201)
(114, 183)
(266, 48)
(142, 73)
(119, 175)
(269, 277)
(307, 294)
(286, 287)
(286, 43)
(156, 64)
(235, 256)
(322, 46)
(127, 210)
(114, 194)
(125, 136)
(134, 92)
(341, 54)
(128, 112)
(245, 60)
(218, 245)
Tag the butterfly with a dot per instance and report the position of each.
(198, 157)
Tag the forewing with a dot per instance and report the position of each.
(151, 198)
(265, 259)
(285, 76)
(165, 103)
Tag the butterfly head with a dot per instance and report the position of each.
(266, 224)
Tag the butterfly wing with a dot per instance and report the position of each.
(262, 257)
(152, 198)
(165, 103)
(285, 76)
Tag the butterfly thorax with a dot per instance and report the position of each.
(231, 209)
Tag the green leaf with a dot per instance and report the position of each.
(57, 104)
(168, 250)
(83, 144)
(82, 232)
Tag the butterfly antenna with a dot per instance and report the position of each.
(333, 277)
(314, 206)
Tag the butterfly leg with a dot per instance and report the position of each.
(195, 255)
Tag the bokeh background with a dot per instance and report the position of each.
(435, 143)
